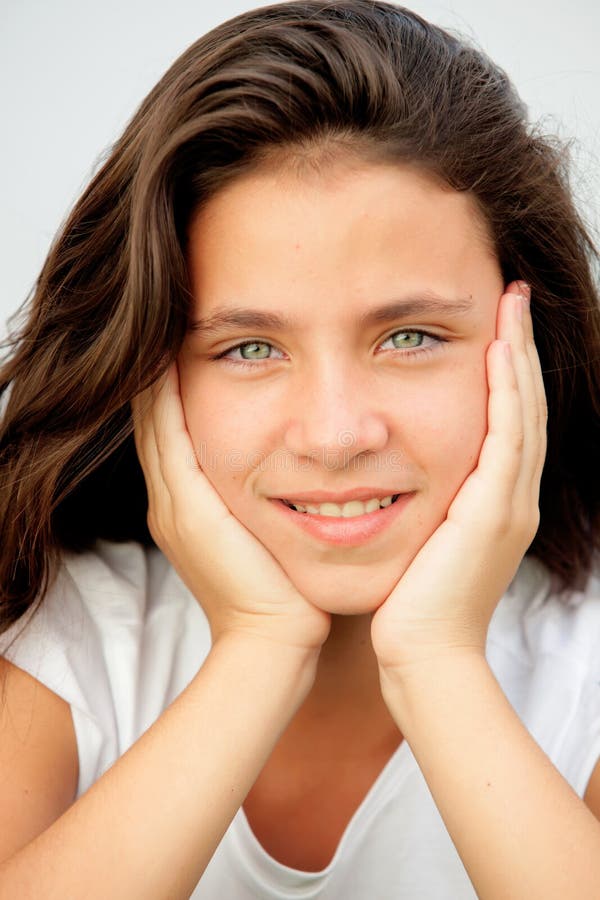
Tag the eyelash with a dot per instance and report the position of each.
(421, 352)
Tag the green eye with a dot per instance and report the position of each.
(247, 353)
(404, 339)
(254, 350)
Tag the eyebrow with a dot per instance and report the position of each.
(427, 303)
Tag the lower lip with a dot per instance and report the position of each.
(348, 532)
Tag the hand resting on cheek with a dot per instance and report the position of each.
(236, 580)
(445, 600)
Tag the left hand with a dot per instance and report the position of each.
(444, 601)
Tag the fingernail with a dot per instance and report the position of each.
(520, 301)
(525, 291)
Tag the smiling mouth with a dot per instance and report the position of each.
(349, 510)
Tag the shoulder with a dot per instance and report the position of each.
(39, 749)
(544, 647)
(117, 637)
(592, 791)
(114, 587)
(536, 621)
(107, 593)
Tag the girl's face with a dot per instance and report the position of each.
(346, 320)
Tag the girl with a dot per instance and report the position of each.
(282, 618)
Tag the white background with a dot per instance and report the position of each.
(72, 73)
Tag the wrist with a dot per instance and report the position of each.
(405, 646)
(280, 668)
(434, 679)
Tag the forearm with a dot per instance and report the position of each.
(520, 829)
(148, 827)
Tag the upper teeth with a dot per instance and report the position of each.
(347, 510)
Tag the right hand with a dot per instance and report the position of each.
(238, 583)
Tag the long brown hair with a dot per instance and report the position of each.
(110, 308)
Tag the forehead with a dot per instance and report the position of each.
(349, 228)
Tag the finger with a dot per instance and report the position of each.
(146, 447)
(188, 485)
(142, 426)
(533, 400)
(500, 458)
(173, 442)
(512, 326)
(141, 409)
(540, 394)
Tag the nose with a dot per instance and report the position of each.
(335, 417)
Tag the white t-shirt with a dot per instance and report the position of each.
(119, 637)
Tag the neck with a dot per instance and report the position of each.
(345, 698)
(347, 672)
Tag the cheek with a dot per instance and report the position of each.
(449, 423)
(228, 436)
(439, 422)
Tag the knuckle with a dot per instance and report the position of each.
(159, 525)
(539, 412)
(500, 524)
(533, 522)
(525, 523)
(518, 440)
(510, 521)
(183, 525)
(153, 527)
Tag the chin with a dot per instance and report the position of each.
(340, 606)
(351, 595)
